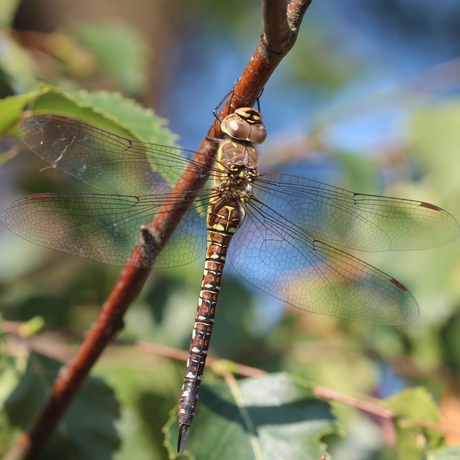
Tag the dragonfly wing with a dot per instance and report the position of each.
(354, 220)
(284, 261)
(104, 228)
(103, 160)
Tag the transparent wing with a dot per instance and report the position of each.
(286, 262)
(105, 161)
(354, 220)
(104, 228)
(282, 248)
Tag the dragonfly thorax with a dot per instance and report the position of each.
(238, 163)
(237, 153)
(238, 183)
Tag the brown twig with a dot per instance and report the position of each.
(19, 329)
(277, 39)
(365, 406)
(376, 409)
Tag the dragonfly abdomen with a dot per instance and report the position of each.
(224, 218)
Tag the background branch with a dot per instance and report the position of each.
(372, 406)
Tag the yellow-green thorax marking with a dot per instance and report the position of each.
(237, 160)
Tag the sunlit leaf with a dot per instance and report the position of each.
(411, 405)
(275, 417)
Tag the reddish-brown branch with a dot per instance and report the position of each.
(276, 41)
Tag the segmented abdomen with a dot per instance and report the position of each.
(223, 221)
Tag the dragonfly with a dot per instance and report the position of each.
(287, 235)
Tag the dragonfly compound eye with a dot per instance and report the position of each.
(245, 125)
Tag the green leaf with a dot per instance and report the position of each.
(9, 378)
(7, 10)
(11, 109)
(411, 405)
(16, 74)
(274, 417)
(141, 123)
(435, 135)
(109, 111)
(119, 49)
(87, 429)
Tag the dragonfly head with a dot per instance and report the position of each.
(245, 124)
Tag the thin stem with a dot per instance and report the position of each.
(280, 32)
(376, 409)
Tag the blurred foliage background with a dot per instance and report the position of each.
(368, 99)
